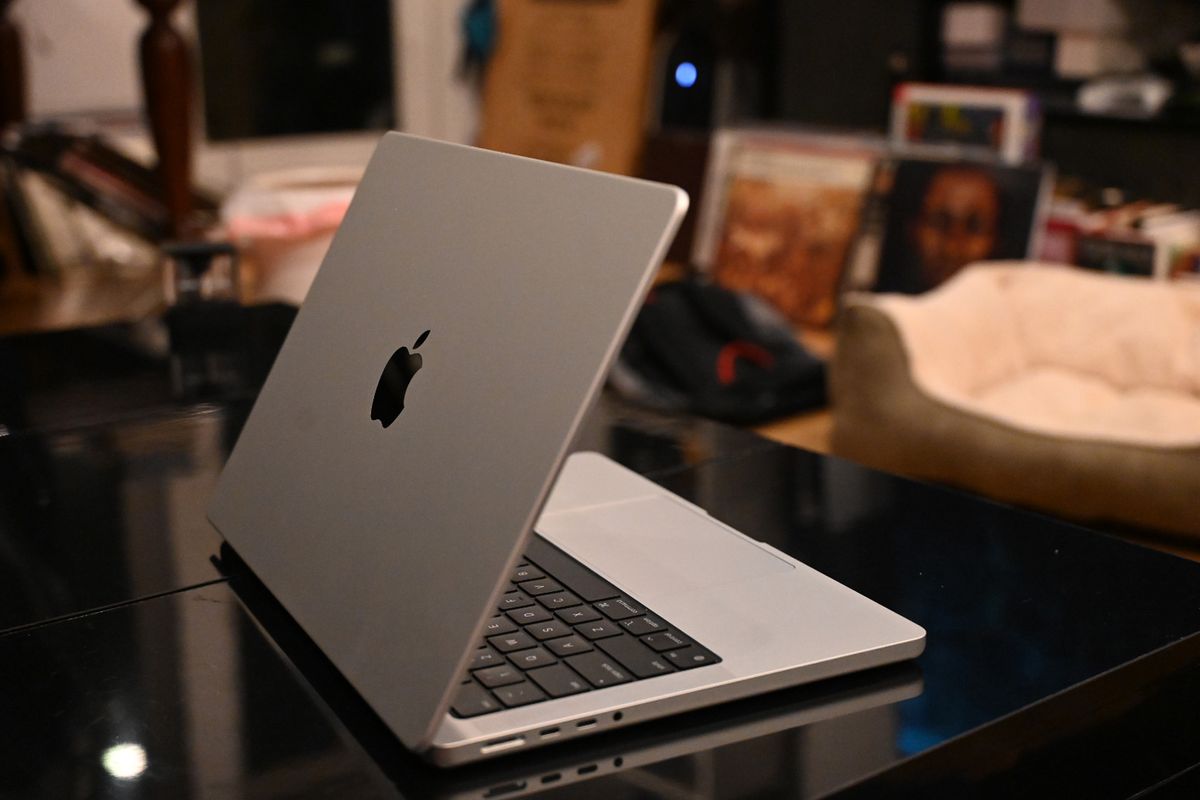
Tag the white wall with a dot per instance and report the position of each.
(434, 101)
(80, 55)
(81, 59)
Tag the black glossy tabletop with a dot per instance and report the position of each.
(1058, 659)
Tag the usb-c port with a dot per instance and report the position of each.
(585, 724)
(546, 733)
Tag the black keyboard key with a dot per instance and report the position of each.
(667, 640)
(632, 641)
(548, 630)
(532, 659)
(577, 615)
(526, 616)
(639, 626)
(619, 609)
(568, 645)
(499, 625)
(485, 657)
(583, 582)
(519, 694)
(541, 586)
(510, 642)
(598, 629)
(473, 700)
(599, 669)
(637, 658)
(499, 676)
(559, 600)
(559, 680)
(694, 656)
(514, 600)
(526, 572)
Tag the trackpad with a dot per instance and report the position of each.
(658, 544)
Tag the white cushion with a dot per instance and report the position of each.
(1057, 402)
(1060, 351)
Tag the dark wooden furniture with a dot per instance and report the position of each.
(167, 84)
(12, 69)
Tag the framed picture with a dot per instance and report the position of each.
(1004, 123)
(1119, 255)
(568, 81)
(781, 213)
(941, 215)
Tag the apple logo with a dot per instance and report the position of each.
(393, 383)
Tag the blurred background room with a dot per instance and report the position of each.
(955, 240)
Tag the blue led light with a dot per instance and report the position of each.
(685, 74)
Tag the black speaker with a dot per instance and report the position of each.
(688, 77)
(717, 63)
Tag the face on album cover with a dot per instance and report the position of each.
(944, 215)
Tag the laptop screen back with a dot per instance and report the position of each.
(487, 295)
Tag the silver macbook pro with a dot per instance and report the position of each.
(413, 435)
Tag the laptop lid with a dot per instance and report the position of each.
(415, 418)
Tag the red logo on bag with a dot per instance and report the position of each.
(730, 353)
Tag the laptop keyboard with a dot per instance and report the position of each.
(560, 630)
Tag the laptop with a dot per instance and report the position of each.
(413, 435)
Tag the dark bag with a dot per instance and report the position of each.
(699, 348)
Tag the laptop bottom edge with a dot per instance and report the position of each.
(449, 752)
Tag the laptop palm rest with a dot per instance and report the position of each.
(659, 546)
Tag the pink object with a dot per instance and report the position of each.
(293, 225)
(284, 221)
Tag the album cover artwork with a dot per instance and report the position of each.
(943, 215)
(790, 209)
(987, 120)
